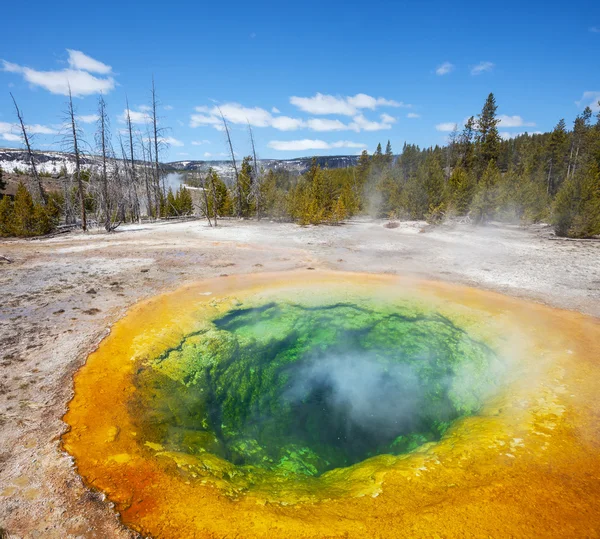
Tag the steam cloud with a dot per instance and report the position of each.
(361, 393)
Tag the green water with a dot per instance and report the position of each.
(293, 389)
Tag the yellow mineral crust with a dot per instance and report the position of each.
(527, 465)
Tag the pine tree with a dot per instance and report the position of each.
(171, 205)
(339, 211)
(183, 201)
(460, 190)
(23, 210)
(246, 182)
(434, 187)
(557, 148)
(577, 205)
(485, 199)
(488, 138)
(362, 168)
(389, 156)
(6, 216)
(2, 182)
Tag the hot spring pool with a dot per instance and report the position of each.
(310, 405)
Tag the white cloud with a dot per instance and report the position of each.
(323, 124)
(345, 106)
(196, 120)
(88, 118)
(208, 154)
(258, 117)
(171, 141)
(360, 123)
(513, 121)
(12, 132)
(183, 154)
(144, 108)
(37, 129)
(285, 123)
(595, 29)
(136, 117)
(80, 61)
(308, 144)
(444, 68)
(446, 126)
(78, 76)
(200, 142)
(238, 114)
(168, 107)
(11, 137)
(275, 110)
(413, 115)
(482, 67)
(589, 99)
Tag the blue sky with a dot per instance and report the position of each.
(313, 78)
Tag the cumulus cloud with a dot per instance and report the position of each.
(88, 118)
(595, 29)
(324, 124)
(78, 76)
(275, 110)
(323, 104)
(444, 68)
(513, 121)
(12, 132)
(259, 117)
(446, 126)
(589, 99)
(360, 123)
(200, 142)
(482, 67)
(78, 60)
(312, 144)
(171, 141)
(413, 115)
(285, 123)
(136, 116)
(168, 107)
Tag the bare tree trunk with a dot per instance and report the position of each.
(149, 209)
(42, 194)
(205, 195)
(133, 171)
(155, 132)
(214, 195)
(237, 176)
(257, 181)
(103, 143)
(75, 147)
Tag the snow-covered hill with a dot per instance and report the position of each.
(12, 160)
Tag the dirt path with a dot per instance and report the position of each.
(59, 297)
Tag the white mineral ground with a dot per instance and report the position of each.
(60, 295)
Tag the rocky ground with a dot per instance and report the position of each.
(59, 297)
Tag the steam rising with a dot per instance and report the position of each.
(361, 393)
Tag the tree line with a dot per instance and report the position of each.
(476, 177)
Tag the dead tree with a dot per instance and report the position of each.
(256, 184)
(205, 196)
(145, 160)
(136, 203)
(104, 148)
(237, 176)
(73, 142)
(26, 140)
(157, 135)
